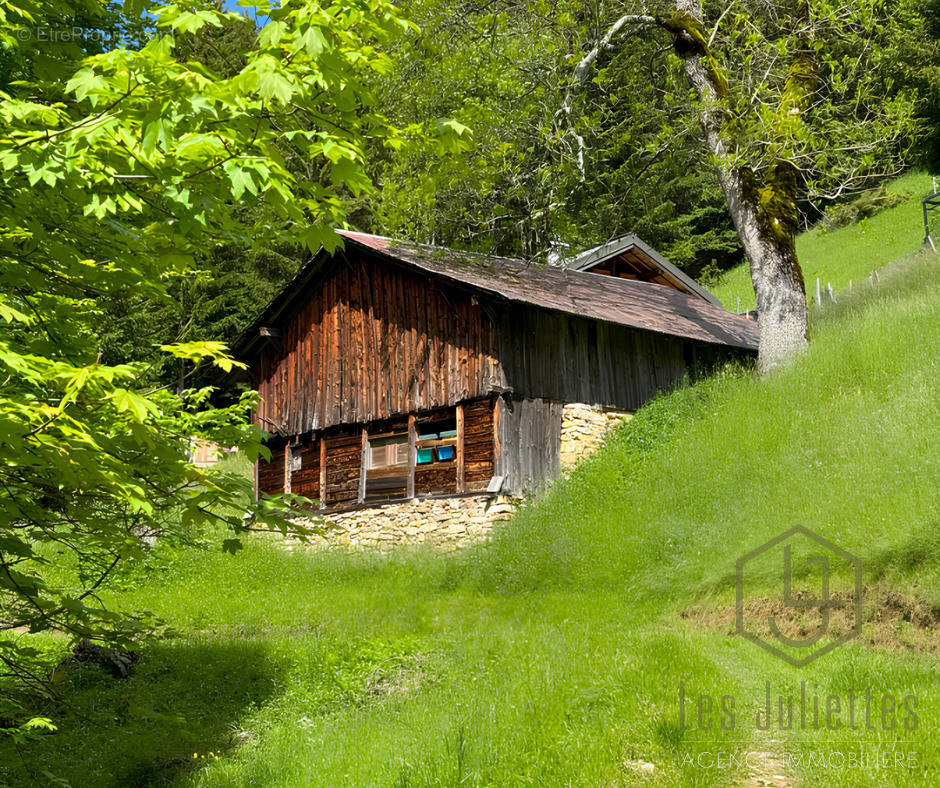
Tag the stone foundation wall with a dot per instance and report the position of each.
(444, 522)
(583, 429)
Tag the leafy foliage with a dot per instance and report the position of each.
(502, 70)
(118, 167)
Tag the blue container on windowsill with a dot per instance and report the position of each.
(449, 434)
(428, 436)
(445, 452)
(425, 456)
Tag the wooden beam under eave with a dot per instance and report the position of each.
(271, 333)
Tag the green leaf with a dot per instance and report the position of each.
(232, 545)
(83, 82)
(125, 400)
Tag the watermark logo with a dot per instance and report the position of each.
(820, 606)
(68, 34)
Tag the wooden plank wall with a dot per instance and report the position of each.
(530, 441)
(271, 474)
(554, 356)
(306, 481)
(343, 463)
(478, 456)
(375, 341)
(342, 449)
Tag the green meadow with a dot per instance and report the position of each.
(553, 654)
(848, 254)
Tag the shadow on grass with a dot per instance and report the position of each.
(183, 705)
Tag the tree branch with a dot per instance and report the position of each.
(580, 74)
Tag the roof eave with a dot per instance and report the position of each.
(623, 244)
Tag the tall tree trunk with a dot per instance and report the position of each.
(767, 240)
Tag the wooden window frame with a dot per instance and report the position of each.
(436, 420)
(412, 466)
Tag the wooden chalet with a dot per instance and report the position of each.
(389, 370)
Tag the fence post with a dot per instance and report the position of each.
(818, 293)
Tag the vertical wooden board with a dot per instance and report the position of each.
(324, 377)
(381, 350)
(424, 303)
(498, 405)
(406, 345)
(393, 386)
(322, 448)
(287, 451)
(404, 334)
(302, 365)
(363, 466)
(361, 341)
(460, 450)
(336, 355)
(342, 344)
(412, 455)
(366, 295)
(293, 368)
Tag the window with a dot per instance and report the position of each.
(437, 442)
(296, 461)
(436, 455)
(387, 466)
(391, 450)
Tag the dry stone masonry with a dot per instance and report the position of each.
(583, 429)
(444, 522)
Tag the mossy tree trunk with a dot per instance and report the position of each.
(764, 214)
(799, 114)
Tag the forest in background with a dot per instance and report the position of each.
(512, 184)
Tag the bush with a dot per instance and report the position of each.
(862, 207)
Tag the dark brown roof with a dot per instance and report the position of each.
(626, 302)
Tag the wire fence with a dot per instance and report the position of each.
(931, 206)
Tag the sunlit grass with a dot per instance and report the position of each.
(552, 655)
(848, 254)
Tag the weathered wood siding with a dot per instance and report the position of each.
(343, 464)
(306, 481)
(529, 438)
(549, 355)
(271, 474)
(373, 341)
(342, 449)
(478, 448)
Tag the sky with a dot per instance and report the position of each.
(231, 5)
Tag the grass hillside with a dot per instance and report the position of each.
(848, 253)
(554, 654)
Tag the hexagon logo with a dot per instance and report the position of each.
(820, 604)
